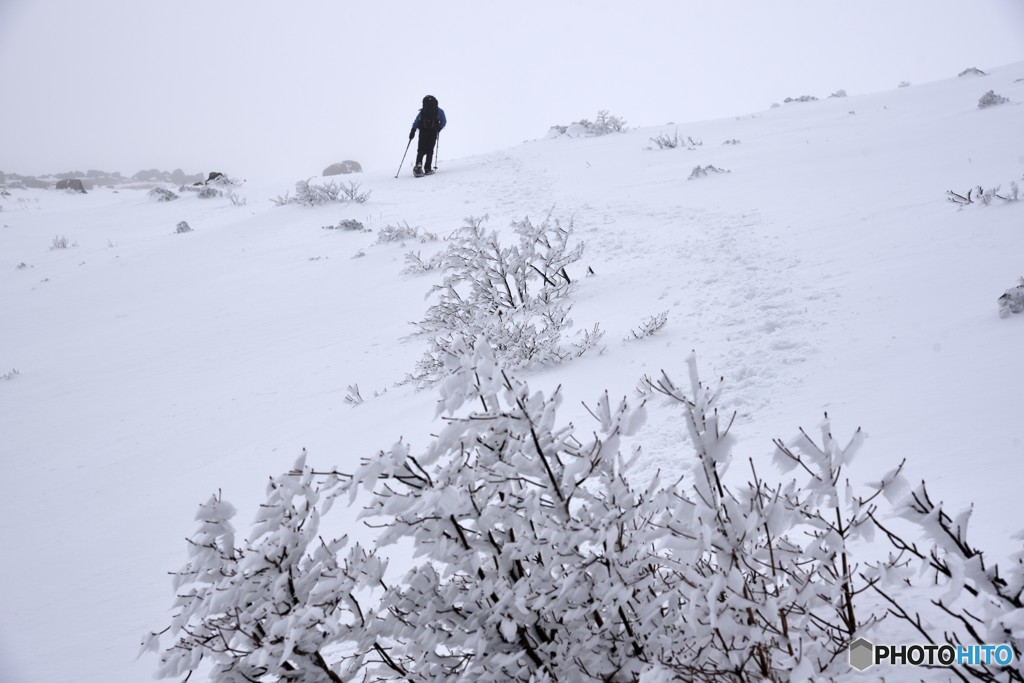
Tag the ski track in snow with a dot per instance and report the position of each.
(727, 282)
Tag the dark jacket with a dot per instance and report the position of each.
(442, 121)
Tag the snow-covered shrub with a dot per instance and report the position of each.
(607, 123)
(903, 84)
(349, 224)
(971, 71)
(704, 171)
(401, 233)
(1012, 300)
(162, 194)
(537, 556)
(315, 194)
(59, 242)
(784, 547)
(351, 192)
(959, 598)
(664, 141)
(209, 192)
(235, 199)
(515, 297)
(802, 98)
(991, 99)
(649, 326)
(838, 93)
(9, 375)
(978, 194)
(414, 263)
(353, 397)
(604, 124)
(270, 609)
(183, 226)
(731, 141)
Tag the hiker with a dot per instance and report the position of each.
(430, 121)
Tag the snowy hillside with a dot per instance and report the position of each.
(824, 269)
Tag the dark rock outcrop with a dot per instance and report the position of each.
(74, 184)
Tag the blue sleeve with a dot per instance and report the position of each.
(441, 117)
(416, 122)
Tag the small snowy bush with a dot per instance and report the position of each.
(971, 71)
(838, 93)
(183, 227)
(1012, 301)
(649, 326)
(991, 99)
(515, 297)
(208, 192)
(665, 141)
(607, 123)
(349, 224)
(351, 192)
(980, 195)
(705, 171)
(414, 263)
(314, 194)
(604, 124)
(403, 233)
(354, 397)
(59, 242)
(802, 98)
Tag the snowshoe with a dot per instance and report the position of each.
(429, 171)
(417, 171)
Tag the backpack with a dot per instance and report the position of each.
(429, 122)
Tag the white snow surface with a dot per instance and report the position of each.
(144, 369)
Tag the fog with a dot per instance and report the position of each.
(272, 88)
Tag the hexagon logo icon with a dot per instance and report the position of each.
(862, 654)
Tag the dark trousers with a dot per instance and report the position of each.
(425, 148)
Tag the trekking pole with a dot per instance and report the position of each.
(437, 151)
(403, 157)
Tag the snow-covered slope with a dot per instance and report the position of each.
(144, 369)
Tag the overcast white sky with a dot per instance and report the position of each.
(261, 86)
